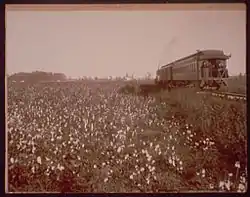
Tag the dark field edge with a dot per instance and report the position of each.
(118, 1)
(2, 96)
(248, 82)
(2, 85)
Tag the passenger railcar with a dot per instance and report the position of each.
(206, 69)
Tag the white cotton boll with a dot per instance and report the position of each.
(242, 179)
(131, 176)
(203, 172)
(61, 168)
(211, 186)
(95, 166)
(33, 149)
(11, 160)
(237, 164)
(228, 185)
(39, 160)
(59, 137)
(119, 149)
(126, 156)
(149, 158)
(241, 188)
(33, 169)
(106, 180)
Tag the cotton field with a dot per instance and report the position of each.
(85, 137)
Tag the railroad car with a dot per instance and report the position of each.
(206, 69)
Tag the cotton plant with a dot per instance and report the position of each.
(87, 127)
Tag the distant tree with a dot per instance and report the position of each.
(37, 76)
(59, 76)
(132, 76)
(148, 75)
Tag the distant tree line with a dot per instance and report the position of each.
(36, 77)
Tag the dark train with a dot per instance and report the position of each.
(206, 69)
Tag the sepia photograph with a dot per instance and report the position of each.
(126, 98)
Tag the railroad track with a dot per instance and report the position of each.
(226, 95)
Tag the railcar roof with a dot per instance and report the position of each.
(205, 54)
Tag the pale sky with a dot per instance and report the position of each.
(111, 43)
